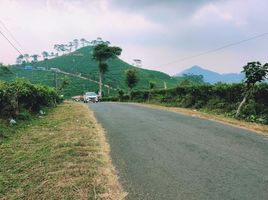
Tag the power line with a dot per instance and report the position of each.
(10, 43)
(11, 35)
(216, 49)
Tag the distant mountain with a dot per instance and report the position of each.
(213, 77)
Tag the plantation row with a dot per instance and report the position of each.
(20, 98)
(223, 98)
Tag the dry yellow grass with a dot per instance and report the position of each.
(258, 128)
(63, 156)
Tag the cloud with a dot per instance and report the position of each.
(155, 31)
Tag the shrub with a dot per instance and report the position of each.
(21, 97)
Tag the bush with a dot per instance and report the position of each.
(19, 98)
(220, 97)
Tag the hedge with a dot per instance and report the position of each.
(219, 97)
(21, 95)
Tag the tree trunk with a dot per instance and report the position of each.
(100, 84)
(241, 104)
(130, 94)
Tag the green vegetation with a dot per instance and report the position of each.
(190, 79)
(219, 98)
(81, 63)
(20, 98)
(255, 72)
(102, 53)
(131, 80)
(60, 156)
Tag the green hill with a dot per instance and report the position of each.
(81, 63)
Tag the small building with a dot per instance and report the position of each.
(54, 69)
(28, 67)
(41, 68)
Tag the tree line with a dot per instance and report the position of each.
(59, 49)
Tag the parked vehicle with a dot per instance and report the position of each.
(78, 98)
(91, 97)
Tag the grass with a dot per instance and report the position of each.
(61, 156)
(205, 114)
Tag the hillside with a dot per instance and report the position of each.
(213, 77)
(81, 63)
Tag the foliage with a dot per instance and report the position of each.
(190, 79)
(20, 96)
(81, 61)
(255, 72)
(101, 53)
(152, 85)
(4, 70)
(131, 78)
(221, 98)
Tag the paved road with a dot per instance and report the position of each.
(164, 155)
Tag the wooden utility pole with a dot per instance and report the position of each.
(165, 85)
(56, 80)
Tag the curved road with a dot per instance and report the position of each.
(164, 155)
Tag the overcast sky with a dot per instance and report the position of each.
(158, 32)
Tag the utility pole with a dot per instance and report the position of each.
(56, 80)
(165, 85)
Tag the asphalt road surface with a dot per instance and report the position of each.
(164, 155)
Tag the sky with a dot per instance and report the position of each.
(159, 32)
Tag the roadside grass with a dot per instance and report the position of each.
(205, 114)
(62, 156)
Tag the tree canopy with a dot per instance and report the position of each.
(131, 78)
(103, 52)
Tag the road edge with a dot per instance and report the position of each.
(254, 127)
(116, 191)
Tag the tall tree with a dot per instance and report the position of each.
(254, 72)
(26, 58)
(57, 48)
(152, 85)
(45, 55)
(102, 53)
(19, 59)
(62, 48)
(76, 43)
(70, 45)
(83, 41)
(131, 80)
(35, 58)
(52, 54)
(194, 79)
